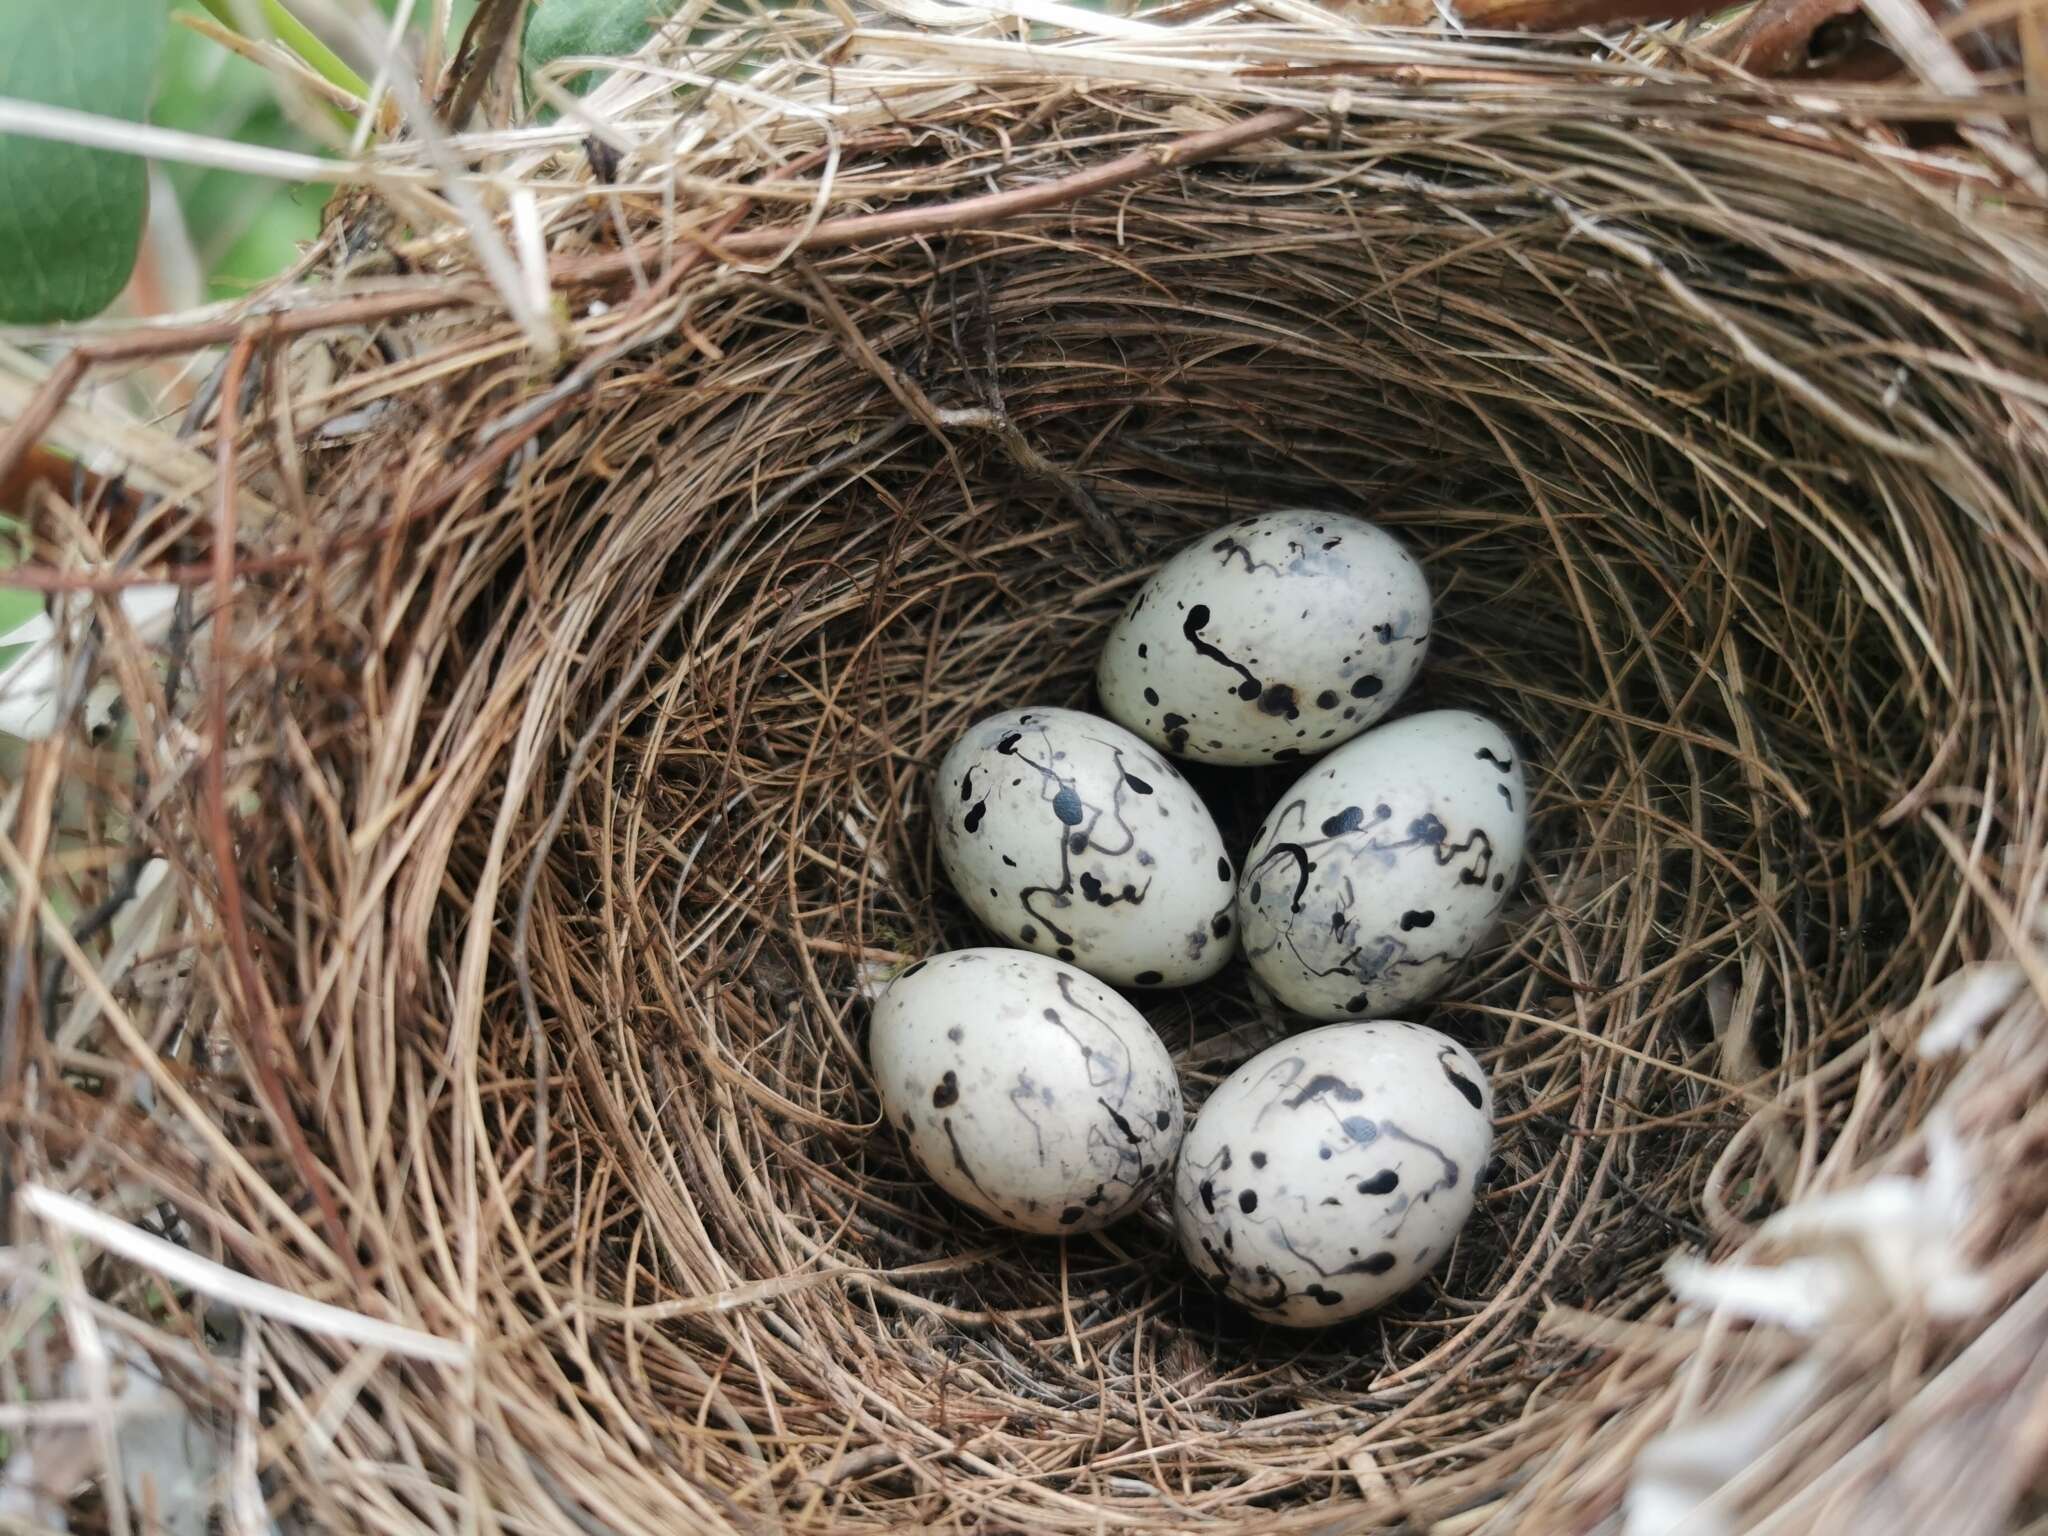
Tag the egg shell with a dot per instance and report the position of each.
(1332, 1171)
(1067, 835)
(1271, 639)
(1385, 865)
(1026, 1088)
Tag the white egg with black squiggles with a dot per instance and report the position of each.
(1271, 639)
(1026, 1088)
(1332, 1171)
(1067, 835)
(1385, 865)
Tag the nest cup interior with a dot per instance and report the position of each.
(1653, 567)
(606, 801)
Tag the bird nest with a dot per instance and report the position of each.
(581, 590)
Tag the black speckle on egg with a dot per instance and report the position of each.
(1148, 978)
(1412, 920)
(1162, 1119)
(1247, 1201)
(1067, 805)
(1207, 1191)
(1064, 952)
(1463, 1084)
(1327, 699)
(947, 1093)
(917, 967)
(1027, 933)
(1141, 652)
(1372, 1264)
(1350, 819)
(1365, 687)
(1279, 700)
(1258, 1159)
(1385, 1182)
(1222, 869)
(972, 819)
(1151, 696)
(1219, 925)
(1071, 1214)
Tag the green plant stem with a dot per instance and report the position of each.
(298, 37)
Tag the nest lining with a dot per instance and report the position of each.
(592, 805)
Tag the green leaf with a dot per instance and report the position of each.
(70, 218)
(598, 28)
(299, 38)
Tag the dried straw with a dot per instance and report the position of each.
(544, 782)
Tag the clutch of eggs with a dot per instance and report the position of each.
(1067, 835)
(1384, 866)
(1026, 1088)
(1332, 1171)
(1271, 639)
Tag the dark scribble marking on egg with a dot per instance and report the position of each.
(1192, 627)
(1230, 550)
(1450, 1165)
(1304, 868)
(1487, 755)
(960, 1160)
(1325, 1084)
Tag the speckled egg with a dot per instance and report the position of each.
(1332, 1171)
(1272, 639)
(1026, 1088)
(1067, 835)
(1385, 865)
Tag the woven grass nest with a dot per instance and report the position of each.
(582, 590)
